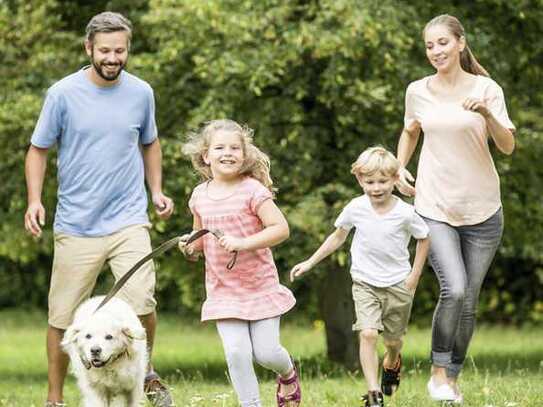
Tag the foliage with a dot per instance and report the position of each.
(318, 80)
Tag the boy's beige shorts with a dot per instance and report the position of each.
(79, 260)
(386, 309)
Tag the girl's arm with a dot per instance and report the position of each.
(406, 146)
(275, 230)
(330, 245)
(423, 245)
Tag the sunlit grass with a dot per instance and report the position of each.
(505, 367)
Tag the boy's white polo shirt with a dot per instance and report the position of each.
(379, 251)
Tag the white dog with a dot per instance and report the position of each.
(108, 351)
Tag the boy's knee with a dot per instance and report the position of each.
(369, 335)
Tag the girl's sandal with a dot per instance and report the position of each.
(295, 396)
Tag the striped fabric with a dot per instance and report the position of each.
(251, 290)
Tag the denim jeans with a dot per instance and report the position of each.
(460, 257)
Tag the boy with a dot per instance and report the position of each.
(384, 282)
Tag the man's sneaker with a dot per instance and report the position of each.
(390, 378)
(373, 399)
(157, 394)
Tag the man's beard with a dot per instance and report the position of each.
(99, 68)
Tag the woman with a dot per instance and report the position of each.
(457, 189)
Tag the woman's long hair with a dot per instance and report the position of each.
(467, 60)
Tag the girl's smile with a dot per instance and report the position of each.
(225, 155)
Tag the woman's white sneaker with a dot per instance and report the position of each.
(442, 392)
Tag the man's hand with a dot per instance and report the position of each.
(35, 218)
(163, 205)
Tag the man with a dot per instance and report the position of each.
(102, 120)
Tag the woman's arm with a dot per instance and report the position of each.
(502, 136)
(406, 146)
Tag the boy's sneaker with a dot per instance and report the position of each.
(373, 399)
(390, 378)
(156, 392)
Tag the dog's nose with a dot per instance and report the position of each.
(95, 350)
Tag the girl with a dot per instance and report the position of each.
(246, 301)
(459, 109)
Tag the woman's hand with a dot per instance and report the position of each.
(232, 244)
(403, 184)
(477, 106)
(300, 269)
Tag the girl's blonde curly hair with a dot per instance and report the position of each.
(256, 164)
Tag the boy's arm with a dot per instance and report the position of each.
(421, 252)
(330, 245)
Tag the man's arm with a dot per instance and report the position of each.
(152, 161)
(35, 166)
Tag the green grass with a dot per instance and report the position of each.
(505, 367)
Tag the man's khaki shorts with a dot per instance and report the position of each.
(386, 309)
(79, 260)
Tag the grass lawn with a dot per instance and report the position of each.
(504, 369)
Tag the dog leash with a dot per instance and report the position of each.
(158, 251)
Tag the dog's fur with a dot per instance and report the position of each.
(108, 352)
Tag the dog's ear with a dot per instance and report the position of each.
(133, 333)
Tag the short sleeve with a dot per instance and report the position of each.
(192, 203)
(49, 126)
(259, 196)
(148, 128)
(345, 218)
(496, 104)
(409, 116)
(418, 227)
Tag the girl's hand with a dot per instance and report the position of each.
(403, 184)
(477, 105)
(232, 244)
(187, 249)
(300, 269)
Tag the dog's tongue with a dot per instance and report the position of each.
(97, 363)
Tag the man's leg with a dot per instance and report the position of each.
(76, 264)
(149, 323)
(57, 364)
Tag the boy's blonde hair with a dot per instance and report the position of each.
(374, 160)
(256, 164)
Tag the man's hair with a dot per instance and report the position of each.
(374, 160)
(108, 22)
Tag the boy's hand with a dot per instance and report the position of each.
(300, 269)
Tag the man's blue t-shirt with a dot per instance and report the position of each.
(99, 131)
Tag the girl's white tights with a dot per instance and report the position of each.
(245, 341)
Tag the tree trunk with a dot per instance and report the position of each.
(337, 310)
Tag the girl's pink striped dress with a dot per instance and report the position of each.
(251, 289)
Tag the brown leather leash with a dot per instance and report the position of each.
(158, 251)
